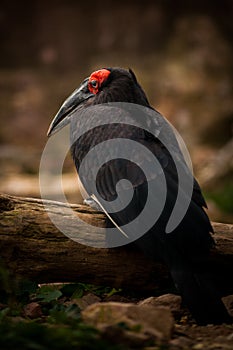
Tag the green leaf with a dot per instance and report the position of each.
(49, 295)
(113, 291)
(78, 293)
(73, 290)
(24, 289)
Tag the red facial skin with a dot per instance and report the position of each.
(99, 77)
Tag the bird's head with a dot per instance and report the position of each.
(103, 86)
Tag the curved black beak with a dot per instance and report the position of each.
(62, 118)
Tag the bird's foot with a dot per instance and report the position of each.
(92, 203)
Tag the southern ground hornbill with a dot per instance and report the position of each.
(186, 248)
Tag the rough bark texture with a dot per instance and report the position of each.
(32, 247)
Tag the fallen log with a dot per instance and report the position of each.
(32, 247)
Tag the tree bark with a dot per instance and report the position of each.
(32, 247)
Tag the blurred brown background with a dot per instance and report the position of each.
(180, 50)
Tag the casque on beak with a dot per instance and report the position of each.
(63, 116)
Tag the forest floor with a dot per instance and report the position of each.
(50, 316)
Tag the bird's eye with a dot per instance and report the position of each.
(94, 83)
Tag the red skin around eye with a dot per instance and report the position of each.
(100, 76)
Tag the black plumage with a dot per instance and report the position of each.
(186, 249)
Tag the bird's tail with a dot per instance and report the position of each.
(193, 279)
(199, 292)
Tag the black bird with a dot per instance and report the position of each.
(186, 249)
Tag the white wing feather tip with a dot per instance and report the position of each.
(114, 223)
